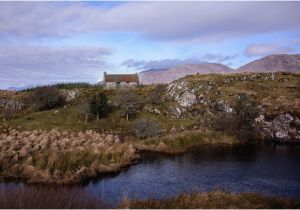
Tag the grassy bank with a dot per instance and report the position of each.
(181, 142)
(61, 157)
(213, 200)
(72, 157)
(48, 198)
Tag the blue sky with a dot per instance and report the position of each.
(49, 42)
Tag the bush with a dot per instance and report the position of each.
(156, 97)
(241, 122)
(98, 105)
(128, 102)
(144, 128)
(48, 97)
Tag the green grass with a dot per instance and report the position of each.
(67, 119)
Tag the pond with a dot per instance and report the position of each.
(264, 168)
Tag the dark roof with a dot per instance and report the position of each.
(121, 78)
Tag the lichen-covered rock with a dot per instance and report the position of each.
(153, 109)
(70, 94)
(281, 128)
(8, 103)
(182, 94)
(176, 111)
(224, 106)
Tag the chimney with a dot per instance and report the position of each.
(104, 77)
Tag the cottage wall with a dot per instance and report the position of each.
(113, 85)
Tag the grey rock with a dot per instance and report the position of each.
(280, 128)
(182, 94)
(71, 94)
(8, 103)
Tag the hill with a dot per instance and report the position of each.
(169, 75)
(274, 63)
(271, 63)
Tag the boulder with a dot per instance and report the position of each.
(281, 128)
(70, 94)
(182, 94)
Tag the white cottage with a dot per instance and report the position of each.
(115, 81)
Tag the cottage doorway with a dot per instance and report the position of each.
(118, 85)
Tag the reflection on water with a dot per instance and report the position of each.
(268, 169)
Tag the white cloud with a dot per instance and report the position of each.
(168, 63)
(264, 49)
(30, 64)
(159, 64)
(158, 20)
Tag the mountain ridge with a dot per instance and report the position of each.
(270, 63)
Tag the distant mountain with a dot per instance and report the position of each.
(169, 75)
(16, 88)
(273, 63)
(190, 69)
(151, 76)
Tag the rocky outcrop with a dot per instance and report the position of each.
(154, 109)
(182, 94)
(283, 128)
(8, 103)
(70, 94)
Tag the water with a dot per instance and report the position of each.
(267, 169)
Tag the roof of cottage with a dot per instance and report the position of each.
(121, 78)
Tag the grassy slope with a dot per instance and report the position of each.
(281, 95)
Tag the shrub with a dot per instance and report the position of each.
(241, 122)
(9, 113)
(47, 97)
(156, 97)
(98, 105)
(128, 102)
(83, 110)
(144, 128)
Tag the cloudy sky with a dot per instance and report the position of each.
(49, 42)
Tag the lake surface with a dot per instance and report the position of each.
(267, 169)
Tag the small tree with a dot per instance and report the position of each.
(128, 102)
(48, 97)
(144, 128)
(84, 110)
(98, 105)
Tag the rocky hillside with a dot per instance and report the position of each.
(167, 76)
(276, 95)
(272, 63)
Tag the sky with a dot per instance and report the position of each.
(51, 42)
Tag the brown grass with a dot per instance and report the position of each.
(181, 142)
(213, 200)
(48, 198)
